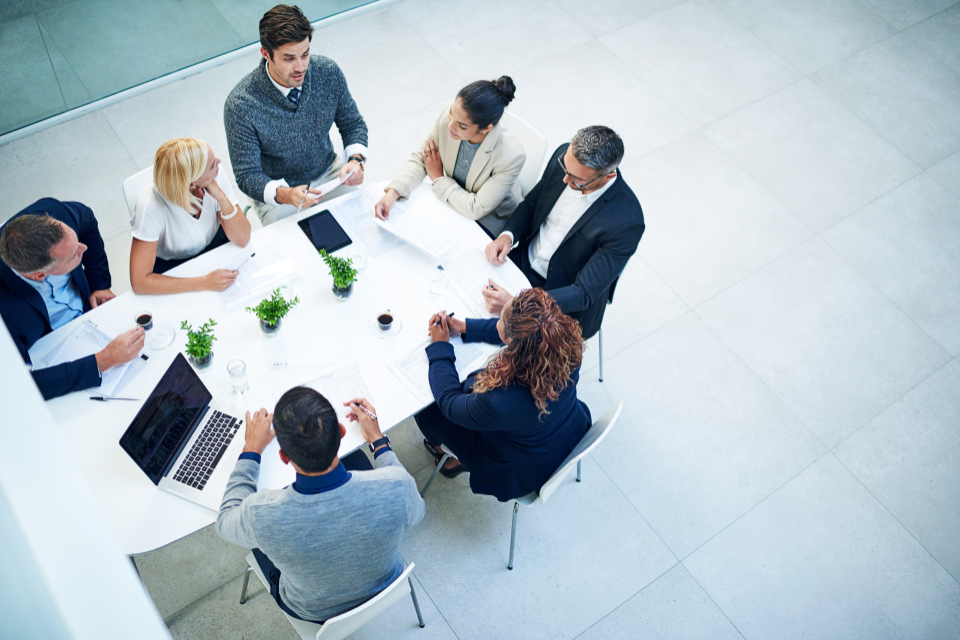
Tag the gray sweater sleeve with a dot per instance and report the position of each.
(244, 147)
(350, 124)
(414, 503)
(234, 520)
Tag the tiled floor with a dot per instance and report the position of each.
(788, 459)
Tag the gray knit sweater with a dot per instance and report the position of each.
(336, 549)
(271, 138)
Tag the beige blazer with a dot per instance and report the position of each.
(492, 186)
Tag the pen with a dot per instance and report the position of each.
(365, 410)
(245, 261)
(104, 399)
(437, 323)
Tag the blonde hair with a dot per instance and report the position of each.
(179, 163)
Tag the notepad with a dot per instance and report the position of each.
(265, 270)
(469, 271)
(425, 235)
(413, 368)
(355, 213)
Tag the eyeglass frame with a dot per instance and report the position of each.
(579, 186)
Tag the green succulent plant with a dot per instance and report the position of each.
(271, 310)
(341, 269)
(200, 342)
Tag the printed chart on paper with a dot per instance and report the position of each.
(469, 271)
(87, 340)
(265, 269)
(413, 367)
(419, 232)
(341, 385)
(355, 213)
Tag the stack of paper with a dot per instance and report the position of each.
(413, 368)
(261, 269)
(419, 232)
(87, 340)
(468, 273)
(355, 214)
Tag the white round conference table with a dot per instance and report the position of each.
(144, 517)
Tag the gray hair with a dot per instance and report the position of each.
(26, 242)
(598, 147)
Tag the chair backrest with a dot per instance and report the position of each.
(535, 146)
(344, 624)
(590, 440)
(133, 185)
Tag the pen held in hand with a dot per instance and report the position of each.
(365, 410)
(240, 266)
(437, 323)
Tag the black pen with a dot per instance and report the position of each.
(244, 262)
(437, 323)
(105, 398)
(365, 410)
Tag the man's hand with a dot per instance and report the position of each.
(382, 208)
(431, 160)
(356, 178)
(259, 432)
(494, 298)
(497, 250)
(369, 428)
(298, 195)
(439, 327)
(97, 298)
(219, 279)
(121, 349)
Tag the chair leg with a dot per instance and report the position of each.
(434, 474)
(601, 354)
(416, 605)
(578, 470)
(513, 534)
(246, 580)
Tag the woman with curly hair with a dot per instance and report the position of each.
(514, 422)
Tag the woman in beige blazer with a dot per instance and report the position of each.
(473, 162)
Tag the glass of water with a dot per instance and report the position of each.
(238, 376)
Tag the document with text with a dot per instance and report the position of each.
(341, 385)
(87, 340)
(423, 234)
(469, 271)
(261, 269)
(413, 368)
(355, 215)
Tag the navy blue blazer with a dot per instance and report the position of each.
(594, 252)
(515, 451)
(26, 315)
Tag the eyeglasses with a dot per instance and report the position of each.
(579, 186)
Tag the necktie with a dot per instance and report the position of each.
(294, 96)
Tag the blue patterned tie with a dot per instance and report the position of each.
(294, 96)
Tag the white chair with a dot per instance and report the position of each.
(133, 185)
(344, 624)
(535, 146)
(590, 440)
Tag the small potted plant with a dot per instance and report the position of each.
(272, 310)
(200, 343)
(344, 275)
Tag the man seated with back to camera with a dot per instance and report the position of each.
(576, 229)
(331, 540)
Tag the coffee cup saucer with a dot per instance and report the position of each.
(394, 329)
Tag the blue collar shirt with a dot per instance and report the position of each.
(60, 296)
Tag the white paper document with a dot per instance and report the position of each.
(423, 234)
(87, 340)
(265, 270)
(468, 273)
(355, 215)
(413, 368)
(341, 385)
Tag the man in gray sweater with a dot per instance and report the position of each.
(331, 540)
(278, 121)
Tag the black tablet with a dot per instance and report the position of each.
(325, 232)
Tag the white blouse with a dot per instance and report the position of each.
(177, 233)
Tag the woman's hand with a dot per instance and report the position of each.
(431, 160)
(220, 279)
(382, 208)
(439, 327)
(214, 190)
(456, 325)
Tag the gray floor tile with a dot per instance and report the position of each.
(811, 153)
(938, 35)
(947, 173)
(823, 339)
(908, 458)
(30, 91)
(577, 558)
(672, 608)
(80, 160)
(185, 571)
(904, 13)
(407, 442)
(823, 559)
(702, 240)
(907, 244)
(692, 468)
(810, 34)
(600, 18)
(904, 94)
(515, 34)
(700, 60)
(630, 107)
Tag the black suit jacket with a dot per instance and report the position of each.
(593, 253)
(25, 313)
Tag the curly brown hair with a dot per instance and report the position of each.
(545, 348)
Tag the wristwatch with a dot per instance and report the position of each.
(359, 159)
(376, 443)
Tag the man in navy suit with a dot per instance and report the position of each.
(54, 268)
(576, 229)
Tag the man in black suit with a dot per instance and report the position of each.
(576, 229)
(54, 268)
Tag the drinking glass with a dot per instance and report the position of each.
(238, 376)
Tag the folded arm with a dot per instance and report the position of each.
(476, 205)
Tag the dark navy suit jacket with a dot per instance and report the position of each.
(593, 253)
(25, 313)
(514, 450)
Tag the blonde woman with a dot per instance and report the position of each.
(188, 210)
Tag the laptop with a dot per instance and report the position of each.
(184, 440)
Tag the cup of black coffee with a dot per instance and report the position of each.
(385, 320)
(145, 320)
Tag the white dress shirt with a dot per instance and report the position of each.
(270, 191)
(570, 206)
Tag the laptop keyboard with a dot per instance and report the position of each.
(207, 450)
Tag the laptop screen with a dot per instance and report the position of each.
(166, 420)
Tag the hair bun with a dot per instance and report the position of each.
(506, 87)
